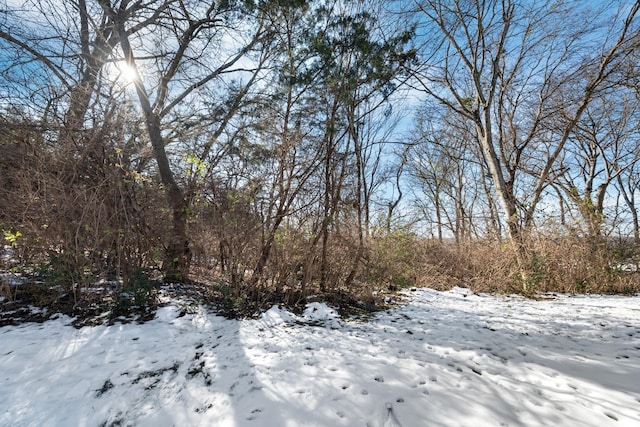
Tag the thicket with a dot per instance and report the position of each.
(88, 230)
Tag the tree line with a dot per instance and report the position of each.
(264, 145)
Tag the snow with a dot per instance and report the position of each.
(12, 279)
(318, 312)
(442, 359)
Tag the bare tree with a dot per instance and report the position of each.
(444, 164)
(629, 185)
(500, 65)
(603, 145)
(194, 63)
(186, 65)
(58, 58)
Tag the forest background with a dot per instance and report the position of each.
(274, 150)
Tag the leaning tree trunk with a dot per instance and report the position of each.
(178, 255)
(507, 200)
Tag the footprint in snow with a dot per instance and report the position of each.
(390, 417)
(475, 371)
(612, 416)
(203, 409)
(254, 414)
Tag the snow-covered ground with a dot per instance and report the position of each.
(443, 359)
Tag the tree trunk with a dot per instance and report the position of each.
(507, 201)
(178, 255)
(629, 199)
(439, 217)
(265, 251)
(354, 132)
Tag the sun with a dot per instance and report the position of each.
(127, 73)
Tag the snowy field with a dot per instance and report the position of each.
(443, 359)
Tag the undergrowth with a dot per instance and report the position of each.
(390, 265)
